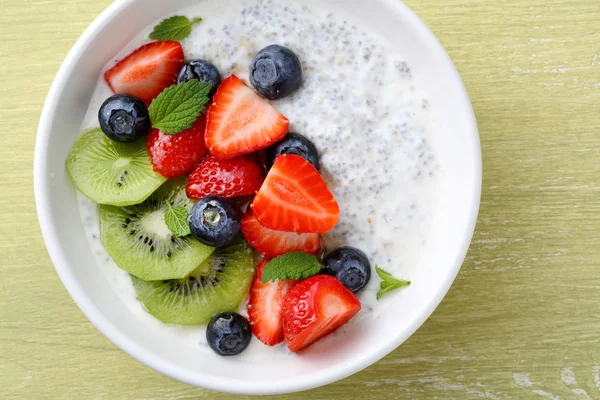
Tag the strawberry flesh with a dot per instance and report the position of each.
(265, 307)
(271, 243)
(314, 308)
(175, 155)
(294, 198)
(147, 71)
(241, 122)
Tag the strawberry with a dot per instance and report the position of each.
(272, 243)
(241, 122)
(240, 176)
(264, 306)
(147, 71)
(294, 198)
(314, 308)
(174, 155)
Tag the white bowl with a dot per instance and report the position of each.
(365, 343)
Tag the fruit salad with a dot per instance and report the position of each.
(225, 206)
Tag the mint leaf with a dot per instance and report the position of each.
(177, 107)
(174, 28)
(176, 220)
(294, 265)
(388, 282)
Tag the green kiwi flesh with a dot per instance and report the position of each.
(139, 241)
(109, 172)
(218, 285)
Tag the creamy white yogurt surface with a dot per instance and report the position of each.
(358, 103)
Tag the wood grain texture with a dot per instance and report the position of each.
(522, 318)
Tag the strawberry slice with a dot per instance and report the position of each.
(294, 198)
(175, 155)
(264, 307)
(314, 308)
(147, 71)
(272, 243)
(240, 176)
(240, 121)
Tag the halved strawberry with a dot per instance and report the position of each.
(240, 176)
(147, 71)
(272, 243)
(175, 155)
(314, 308)
(264, 306)
(240, 121)
(294, 198)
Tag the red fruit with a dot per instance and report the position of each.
(294, 198)
(147, 71)
(272, 243)
(174, 155)
(264, 307)
(314, 308)
(241, 122)
(240, 176)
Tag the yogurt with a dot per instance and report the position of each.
(358, 103)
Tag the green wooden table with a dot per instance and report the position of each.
(522, 319)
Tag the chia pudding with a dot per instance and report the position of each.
(358, 104)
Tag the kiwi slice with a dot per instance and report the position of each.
(140, 242)
(218, 285)
(108, 172)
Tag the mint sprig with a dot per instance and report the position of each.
(174, 28)
(388, 282)
(295, 265)
(176, 220)
(177, 107)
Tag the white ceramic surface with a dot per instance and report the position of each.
(62, 229)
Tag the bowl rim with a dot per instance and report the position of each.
(219, 383)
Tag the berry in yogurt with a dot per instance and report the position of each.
(147, 71)
(228, 334)
(350, 265)
(124, 118)
(214, 221)
(272, 243)
(176, 155)
(241, 122)
(293, 143)
(295, 198)
(265, 306)
(360, 174)
(233, 177)
(203, 71)
(276, 72)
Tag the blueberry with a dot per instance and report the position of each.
(124, 118)
(228, 333)
(214, 221)
(351, 266)
(275, 72)
(293, 143)
(202, 70)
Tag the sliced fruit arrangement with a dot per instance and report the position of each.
(139, 241)
(219, 284)
(239, 121)
(294, 198)
(181, 240)
(147, 71)
(110, 172)
(272, 243)
(265, 307)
